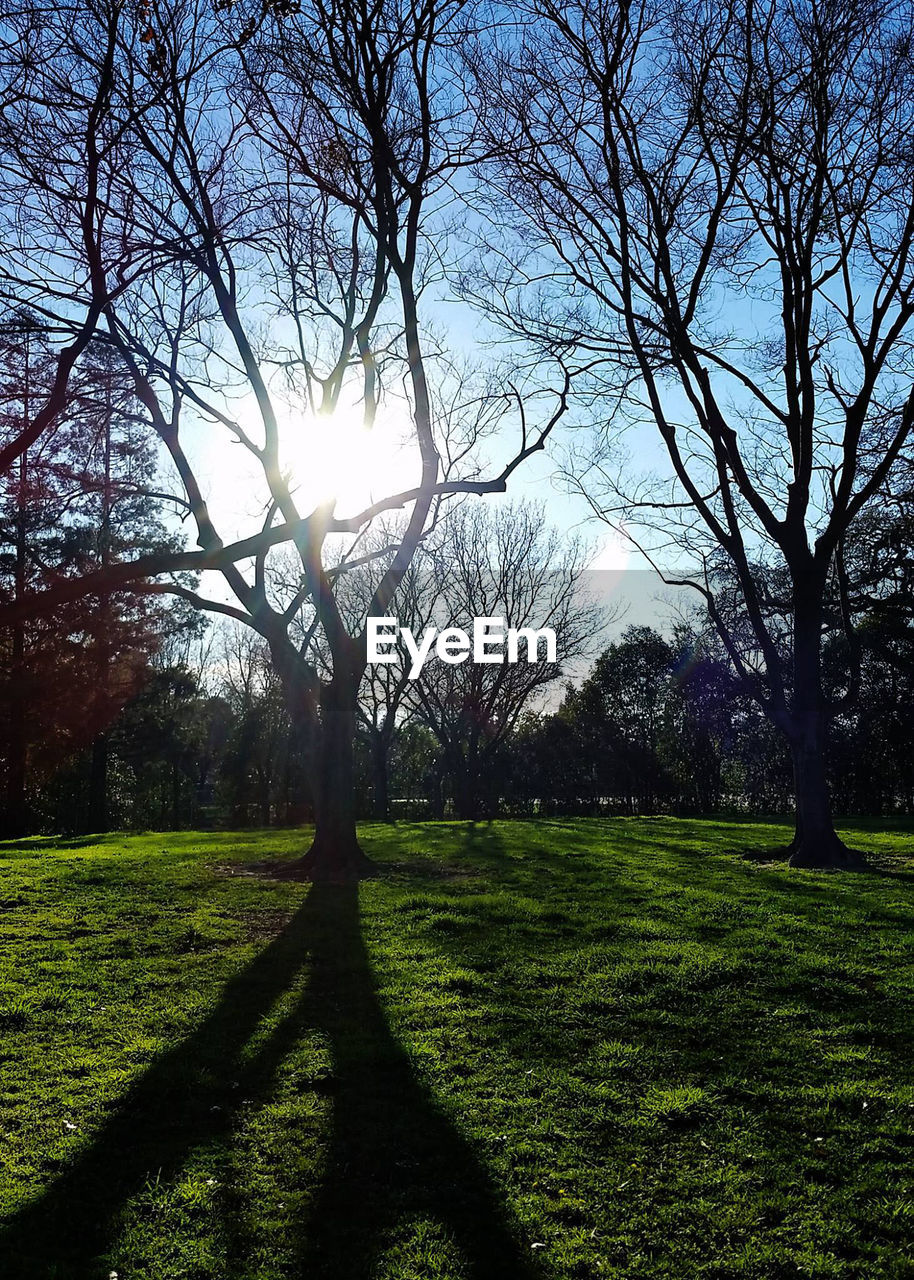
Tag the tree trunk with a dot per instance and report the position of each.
(98, 773)
(380, 780)
(263, 797)
(465, 791)
(175, 796)
(815, 844)
(436, 788)
(97, 815)
(16, 819)
(335, 854)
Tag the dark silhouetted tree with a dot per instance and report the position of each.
(717, 201)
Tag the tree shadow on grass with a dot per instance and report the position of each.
(400, 1178)
(393, 1156)
(35, 846)
(184, 1101)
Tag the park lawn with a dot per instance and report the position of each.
(555, 1048)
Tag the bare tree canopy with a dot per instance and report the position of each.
(247, 204)
(712, 207)
(506, 564)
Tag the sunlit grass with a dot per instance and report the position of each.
(569, 1048)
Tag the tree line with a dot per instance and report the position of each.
(196, 730)
(658, 725)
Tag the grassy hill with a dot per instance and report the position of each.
(557, 1049)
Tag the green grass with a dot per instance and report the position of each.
(557, 1049)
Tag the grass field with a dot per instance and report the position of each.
(557, 1049)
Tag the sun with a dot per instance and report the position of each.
(324, 458)
(335, 457)
(614, 554)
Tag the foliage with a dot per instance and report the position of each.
(658, 725)
(79, 499)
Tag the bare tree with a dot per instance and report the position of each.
(718, 205)
(277, 184)
(505, 564)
